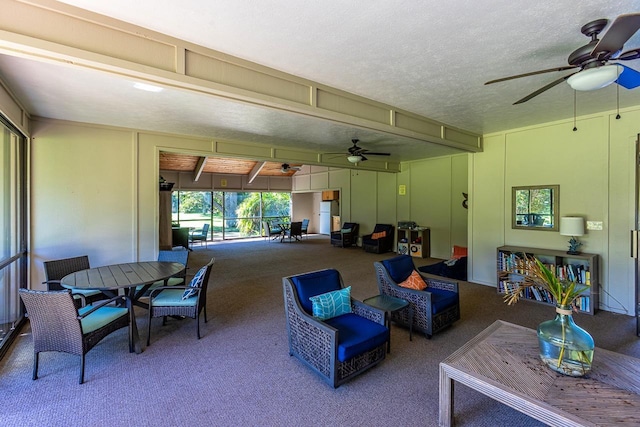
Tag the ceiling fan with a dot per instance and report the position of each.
(286, 167)
(592, 59)
(356, 154)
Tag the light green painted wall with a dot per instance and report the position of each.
(83, 195)
(595, 170)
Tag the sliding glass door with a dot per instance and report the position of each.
(230, 214)
(13, 247)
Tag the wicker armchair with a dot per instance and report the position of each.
(55, 270)
(347, 236)
(57, 325)
(180, 255)
(435, 308)
(305, 226)
(380, 244)
(337, 348)
(171, 301)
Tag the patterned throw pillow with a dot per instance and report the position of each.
(415, 281)
(195, 283)
(379, 235)
(331, 304)
(345, 230)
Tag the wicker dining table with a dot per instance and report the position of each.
(133, 278)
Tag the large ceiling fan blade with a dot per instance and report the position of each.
(617, 35)
(542, 89)
(629, 78)
(533, 73)
(374, 154)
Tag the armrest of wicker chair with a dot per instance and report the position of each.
(368, 312)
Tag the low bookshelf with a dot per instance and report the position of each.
(583, 268)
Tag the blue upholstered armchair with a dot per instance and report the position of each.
(378, 243)
(435, 307)
(352, 337)
(347, 236)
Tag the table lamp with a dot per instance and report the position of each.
(572, 226)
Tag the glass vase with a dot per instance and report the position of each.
(564, 346)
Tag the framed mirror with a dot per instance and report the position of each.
(535, 207)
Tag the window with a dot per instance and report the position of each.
(13, 254)
(231, 214)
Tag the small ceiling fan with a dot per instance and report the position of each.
(286, 167)
(592, 59)
(356, 154)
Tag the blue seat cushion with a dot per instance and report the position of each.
(173, 298)
(99, 318)
(399, 268)
(357, 335)
(311, 284)
(442, 299)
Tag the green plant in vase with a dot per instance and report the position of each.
(564, 346)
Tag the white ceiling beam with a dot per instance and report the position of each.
(255, 171)
(199, 168)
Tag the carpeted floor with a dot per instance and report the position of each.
(240, 372)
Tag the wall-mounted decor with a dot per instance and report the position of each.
(535, 207)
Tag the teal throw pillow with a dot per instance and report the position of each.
(331, 304)
(345, 230)
(195, 283)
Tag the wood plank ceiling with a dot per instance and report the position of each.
(219, 165)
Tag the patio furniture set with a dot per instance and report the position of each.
(61, 320)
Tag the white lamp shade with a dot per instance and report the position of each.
(571, 226)
(354, 159)
(595, 78)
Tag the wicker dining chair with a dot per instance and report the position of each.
(187, 301)
(180, 255)
(55, 270)
(58, 325)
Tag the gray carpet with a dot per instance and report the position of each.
(240, 372)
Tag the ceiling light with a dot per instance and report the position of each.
(354, 159)
(148, 88)
(595, 78)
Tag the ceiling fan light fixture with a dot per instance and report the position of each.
(595, 78)
(354, 159)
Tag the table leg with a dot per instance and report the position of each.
(134, 338)
(446, 399)
(387, 323)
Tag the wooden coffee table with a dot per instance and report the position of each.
(502, 362)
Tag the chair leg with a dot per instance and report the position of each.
(205, 314)
(149, 332)
(82, 370)
(35, 365)
(198, 324)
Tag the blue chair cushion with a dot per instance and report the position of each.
(399, 268)
(331, 304)
(316, 283)
(357, 335)
(195, 283)
(442, 299)
(99, 318)
(173, 298)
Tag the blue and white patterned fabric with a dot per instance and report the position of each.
(331, 304)
(195, 283)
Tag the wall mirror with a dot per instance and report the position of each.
(535, 207)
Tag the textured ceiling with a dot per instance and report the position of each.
(429, 57)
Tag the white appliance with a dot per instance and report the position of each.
(327, 210)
